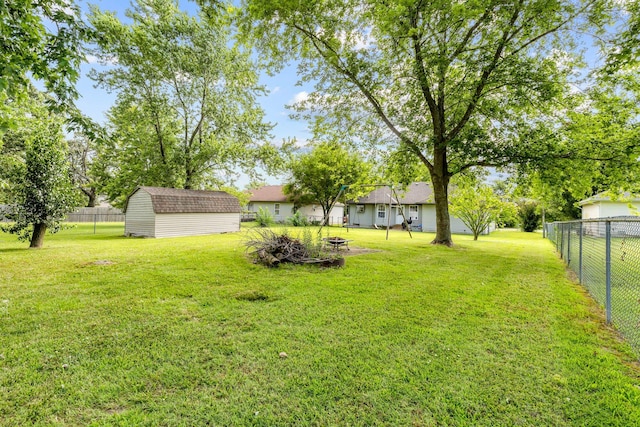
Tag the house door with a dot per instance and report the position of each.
(399, 217)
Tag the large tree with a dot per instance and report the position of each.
(81, 154)
(597, 147)
(186, 113)
(450, 82)
(320, 175)
(40, 188)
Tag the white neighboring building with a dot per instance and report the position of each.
(273, 199)
(601, 206)
(171, 212)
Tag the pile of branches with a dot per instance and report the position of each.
(271, 249)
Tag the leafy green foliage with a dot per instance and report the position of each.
(40, 40)
(319, 175)
(186, 114)
(298, 220)
(42, 192)
(529, 216)
(81, 154)
(264, 218)
(451, 85)
(477, 205)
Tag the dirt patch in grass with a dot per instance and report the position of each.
(358, 251)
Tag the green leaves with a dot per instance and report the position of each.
(319, 176)
(42, 192)
(454, 84)
(42, 40)
(477, 205)
(187, 112)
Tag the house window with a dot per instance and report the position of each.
(250, 207)
(382, 211)
(413, 211)
(276, 209)
(360, 209)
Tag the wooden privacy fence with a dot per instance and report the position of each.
(94, 215)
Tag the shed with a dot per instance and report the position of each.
(171, 212)
(603, 206)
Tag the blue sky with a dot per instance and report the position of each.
(95, 102)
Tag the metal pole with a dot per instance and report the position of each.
(561, 241)
(608, 269)
(580, 255)
(95, 218)
(569, 243)
(389, 213)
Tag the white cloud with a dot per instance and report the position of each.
(275, 90)
(300, 97)
(92, 59)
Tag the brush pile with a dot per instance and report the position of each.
(271, 249)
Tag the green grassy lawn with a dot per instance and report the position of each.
(187, 332)
(625, 278)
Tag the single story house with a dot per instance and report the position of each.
(172, 212)
(602, 206)
(273, 199)
(381, 207)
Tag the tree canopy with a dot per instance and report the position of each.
(477, 205)
(186, 114)
(40, 40)
(320, 175)
(456, 84)
(39, 185)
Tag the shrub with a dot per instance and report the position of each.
(298, 220)
(529, 216)
(264, 217)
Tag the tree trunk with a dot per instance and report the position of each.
(37, 238)
(440, 181)
(91, 194)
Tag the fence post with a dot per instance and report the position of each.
(580, 255)
(569, 243)
(561, 241)
(608, 269)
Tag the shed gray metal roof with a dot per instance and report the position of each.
(175, 200)
(417, 193)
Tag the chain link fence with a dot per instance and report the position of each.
(605, 255)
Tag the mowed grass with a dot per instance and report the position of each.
(106, 330)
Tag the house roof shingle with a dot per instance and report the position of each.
(268, 193)
(417, 193)
(175, 200)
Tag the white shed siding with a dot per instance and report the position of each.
(591, 211)
(617, 209)
(140, 218)
(194, 224)
(314, 212)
